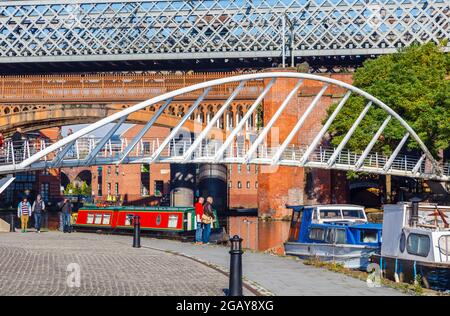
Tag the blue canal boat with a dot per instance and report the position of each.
(333, 233)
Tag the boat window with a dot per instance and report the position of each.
(98, 218)
(129, 219)
(369, 236)
(324, 214)
(106, 219)
(336, 236)
(315, 215)
(173, 221)
(418, 245)
(359, 214)
(295, 225)
(317, 234)
(341, 237)
(444, 245)
(90, 218)
(329, 238)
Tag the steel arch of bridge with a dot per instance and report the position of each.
(96, 30)
(203, 149)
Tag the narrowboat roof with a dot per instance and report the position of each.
(136, 208)
(298, 207)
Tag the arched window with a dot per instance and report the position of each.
(210, 114)
(240, 114)
(220, 122)
(251, 121)
(200, 115)
(230, 120)
(180, 112)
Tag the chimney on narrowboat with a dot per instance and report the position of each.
(414, 212)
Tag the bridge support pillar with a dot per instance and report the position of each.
(213, 182)
(280, 185)
(182, 184)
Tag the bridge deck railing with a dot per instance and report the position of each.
(13, 153)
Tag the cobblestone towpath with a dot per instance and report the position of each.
(47, 264)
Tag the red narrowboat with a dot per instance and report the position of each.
(160, 219)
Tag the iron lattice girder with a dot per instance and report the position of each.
(72, 30)
(212, 150)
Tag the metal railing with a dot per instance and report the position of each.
(13, 153)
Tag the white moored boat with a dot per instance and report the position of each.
(416, 242)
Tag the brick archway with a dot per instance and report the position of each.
(35, 117)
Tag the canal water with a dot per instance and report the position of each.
(258, 234)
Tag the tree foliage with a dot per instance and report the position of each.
(415, 83)
(84, 189)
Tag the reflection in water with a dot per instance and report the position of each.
(259, 235)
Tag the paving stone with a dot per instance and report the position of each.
(37, 264)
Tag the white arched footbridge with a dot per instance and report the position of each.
(78, 150)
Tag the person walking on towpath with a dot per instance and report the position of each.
(66, 210)
(198, 221)
(207, 219)
(23, 212)
(37, 210)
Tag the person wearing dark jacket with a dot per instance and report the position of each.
(207, 219)
(66, 210)
(17, 136)
(37, 209)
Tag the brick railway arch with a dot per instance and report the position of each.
(34, 117)
(65, 179)
(287, 153)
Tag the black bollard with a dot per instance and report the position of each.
(235, 286)
(137, 232)
(12, 224)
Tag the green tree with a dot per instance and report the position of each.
(71, 189)
(85, 189)
(415, 83)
